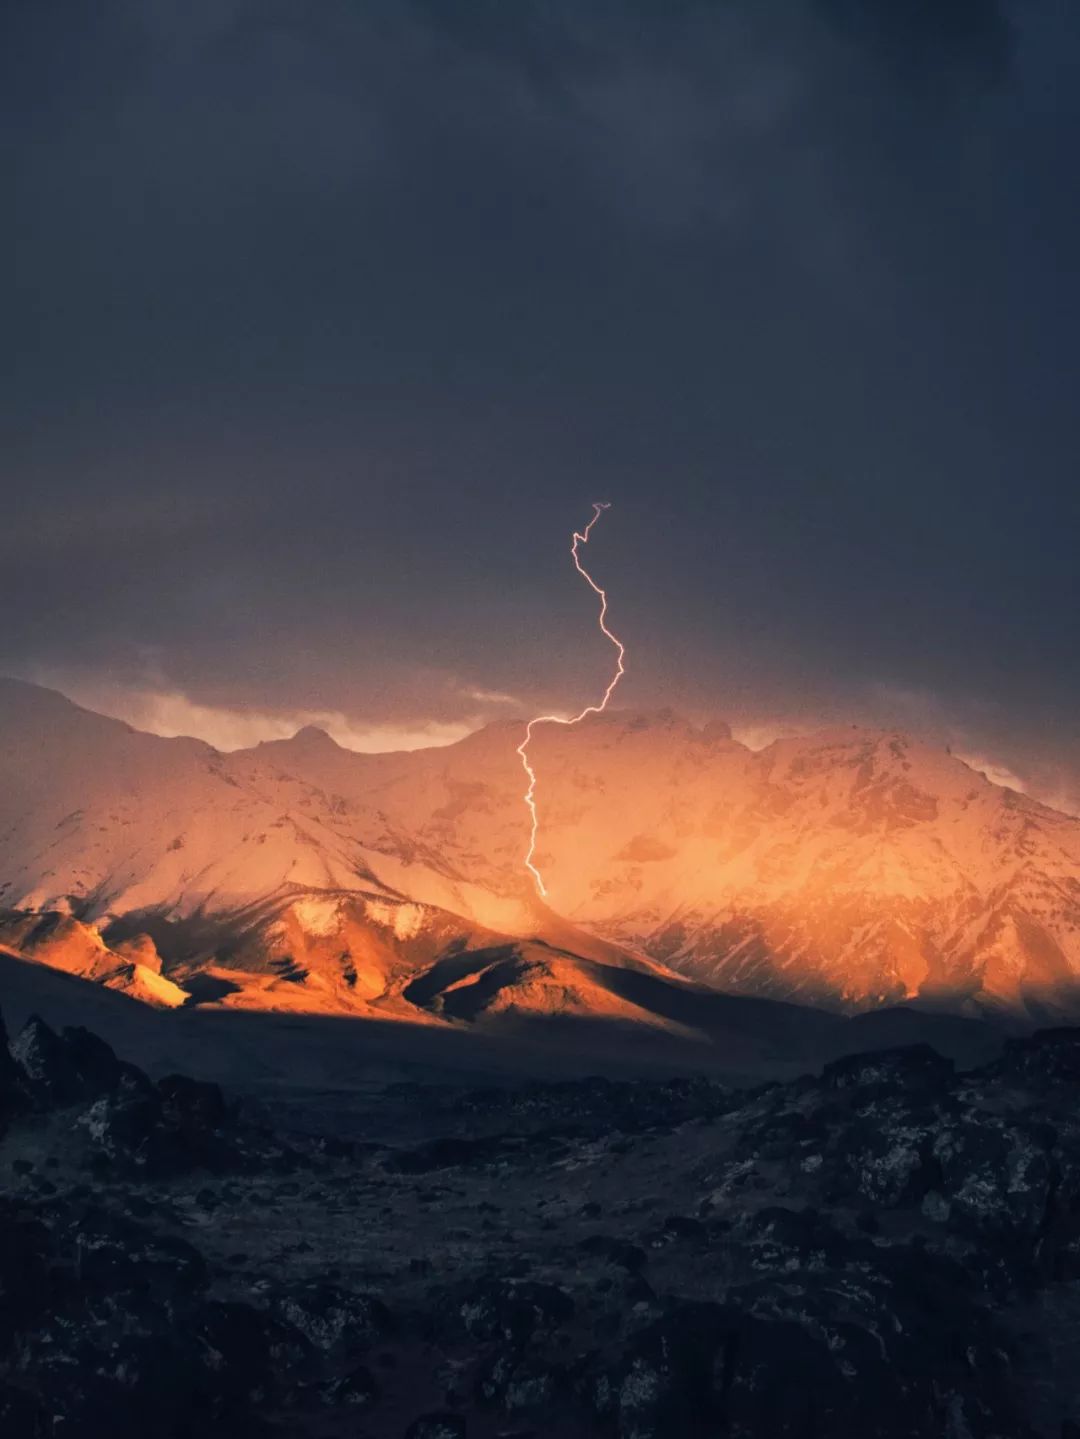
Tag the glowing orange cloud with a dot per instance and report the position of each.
(620, 670)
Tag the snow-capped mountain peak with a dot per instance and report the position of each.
(848, 868)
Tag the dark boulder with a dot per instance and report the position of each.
(192, 1103)
(444, 1425)
(120, 1125)
(95, 1064)
(781, 1238)
(682, 1227)
(670, 1380)
(521, 1383)
(159, 1131)
(22, 1415)
(46, 1064)
(148, 1378)
(620, 1252)
(244, 1350)
(333, 1319)
(885, 1355)
(1049, 1056)
(12, 1097)
(116, 1330)
(25, 1282)
(357, 1389)
(114, 1254)
(909, 1066)
(996, 1175)
(510, 1311)
(889, 1163)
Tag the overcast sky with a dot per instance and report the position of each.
(326, 324)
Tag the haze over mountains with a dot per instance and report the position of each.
(847, 870)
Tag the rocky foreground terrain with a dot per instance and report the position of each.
(888, 1248)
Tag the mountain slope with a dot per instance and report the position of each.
(850, 869)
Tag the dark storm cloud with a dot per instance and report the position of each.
(327, 322)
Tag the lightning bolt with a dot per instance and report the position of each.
(579, 538)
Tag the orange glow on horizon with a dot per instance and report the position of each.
(579, 538)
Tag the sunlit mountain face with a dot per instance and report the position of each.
(845, 870)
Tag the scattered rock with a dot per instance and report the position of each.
(511, 1311)
(113, 1254)
(864, 1253)
(1049, 1056)
(358, 1389)
(444, 1425)
(520, 1384)
(444, 1153)
(333, 1319)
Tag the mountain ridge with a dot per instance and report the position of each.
(850, 869)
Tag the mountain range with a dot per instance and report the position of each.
(847, 871)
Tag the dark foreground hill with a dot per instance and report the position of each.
(888, 1249)
(278, 1054)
